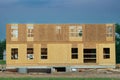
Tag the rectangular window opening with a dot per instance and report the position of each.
(106, 53)
(44, 53)
(74, 52)
(14, 31)
(30, 55)
(75, 31)
(30, 31)
(14, 53)
(109, 31)
(58, 29)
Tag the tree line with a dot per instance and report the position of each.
(2, 47)
(117, 34)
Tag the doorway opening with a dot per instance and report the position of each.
(60, 69)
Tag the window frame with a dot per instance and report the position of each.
(74, 53)
(58, 29)
(44, 53)
(75, 31)
(106, 54)
(109, 31)
(30, 32)
(14, 54)
(30, 55)
(14, 31)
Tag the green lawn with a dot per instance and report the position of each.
(2, 62)
(58, 79)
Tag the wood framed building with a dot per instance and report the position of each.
(61, 46)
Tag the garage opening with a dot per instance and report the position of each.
(60, 69)
(89, 55)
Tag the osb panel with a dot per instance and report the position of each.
(101, 32)
(114, 33)
(37, 32)
(65, 54)
(63, 35)
(90, 33)
(109, 38)
(8, 56)
(74, 45)
(58, 53)
(22, 33)
(47, 32)
(22, 53)
(30, 39)
(75, 39)
(37, 52)
(89, 45)
(14, 39)
(14, 24)
(43, 45)
(43, 32)
(29, 45)
(112, 59)
(53, 55)
(80, 52)
(59, 36)
(79, 39)
(48, 64)
(80, 56)
(51, 32)
(65, 32)
(22, 56)
(97, 53)
(95, 33)
(8, 33)
(109, 24)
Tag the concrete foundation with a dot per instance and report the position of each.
(55, 69)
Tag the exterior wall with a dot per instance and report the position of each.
(58, 54)
(112, 60)
(59, 45)
(21, 54)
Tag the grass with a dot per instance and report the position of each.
(2, 62)
(59, 79)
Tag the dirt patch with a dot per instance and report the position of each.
(83, 73)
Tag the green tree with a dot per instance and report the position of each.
(117, 43)
(2, 48)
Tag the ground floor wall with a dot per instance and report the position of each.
(59, 55)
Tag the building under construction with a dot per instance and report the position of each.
(60, 47)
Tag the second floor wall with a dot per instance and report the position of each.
(60, 32)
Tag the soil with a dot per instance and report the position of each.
(82, 73)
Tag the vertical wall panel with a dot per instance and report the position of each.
(8, 32)
(37, 32)
(101, 33)
(90, 33)
(51, 32)
(22, 32)
(43, 33)
(65, 32)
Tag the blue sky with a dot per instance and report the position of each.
(58, 11)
